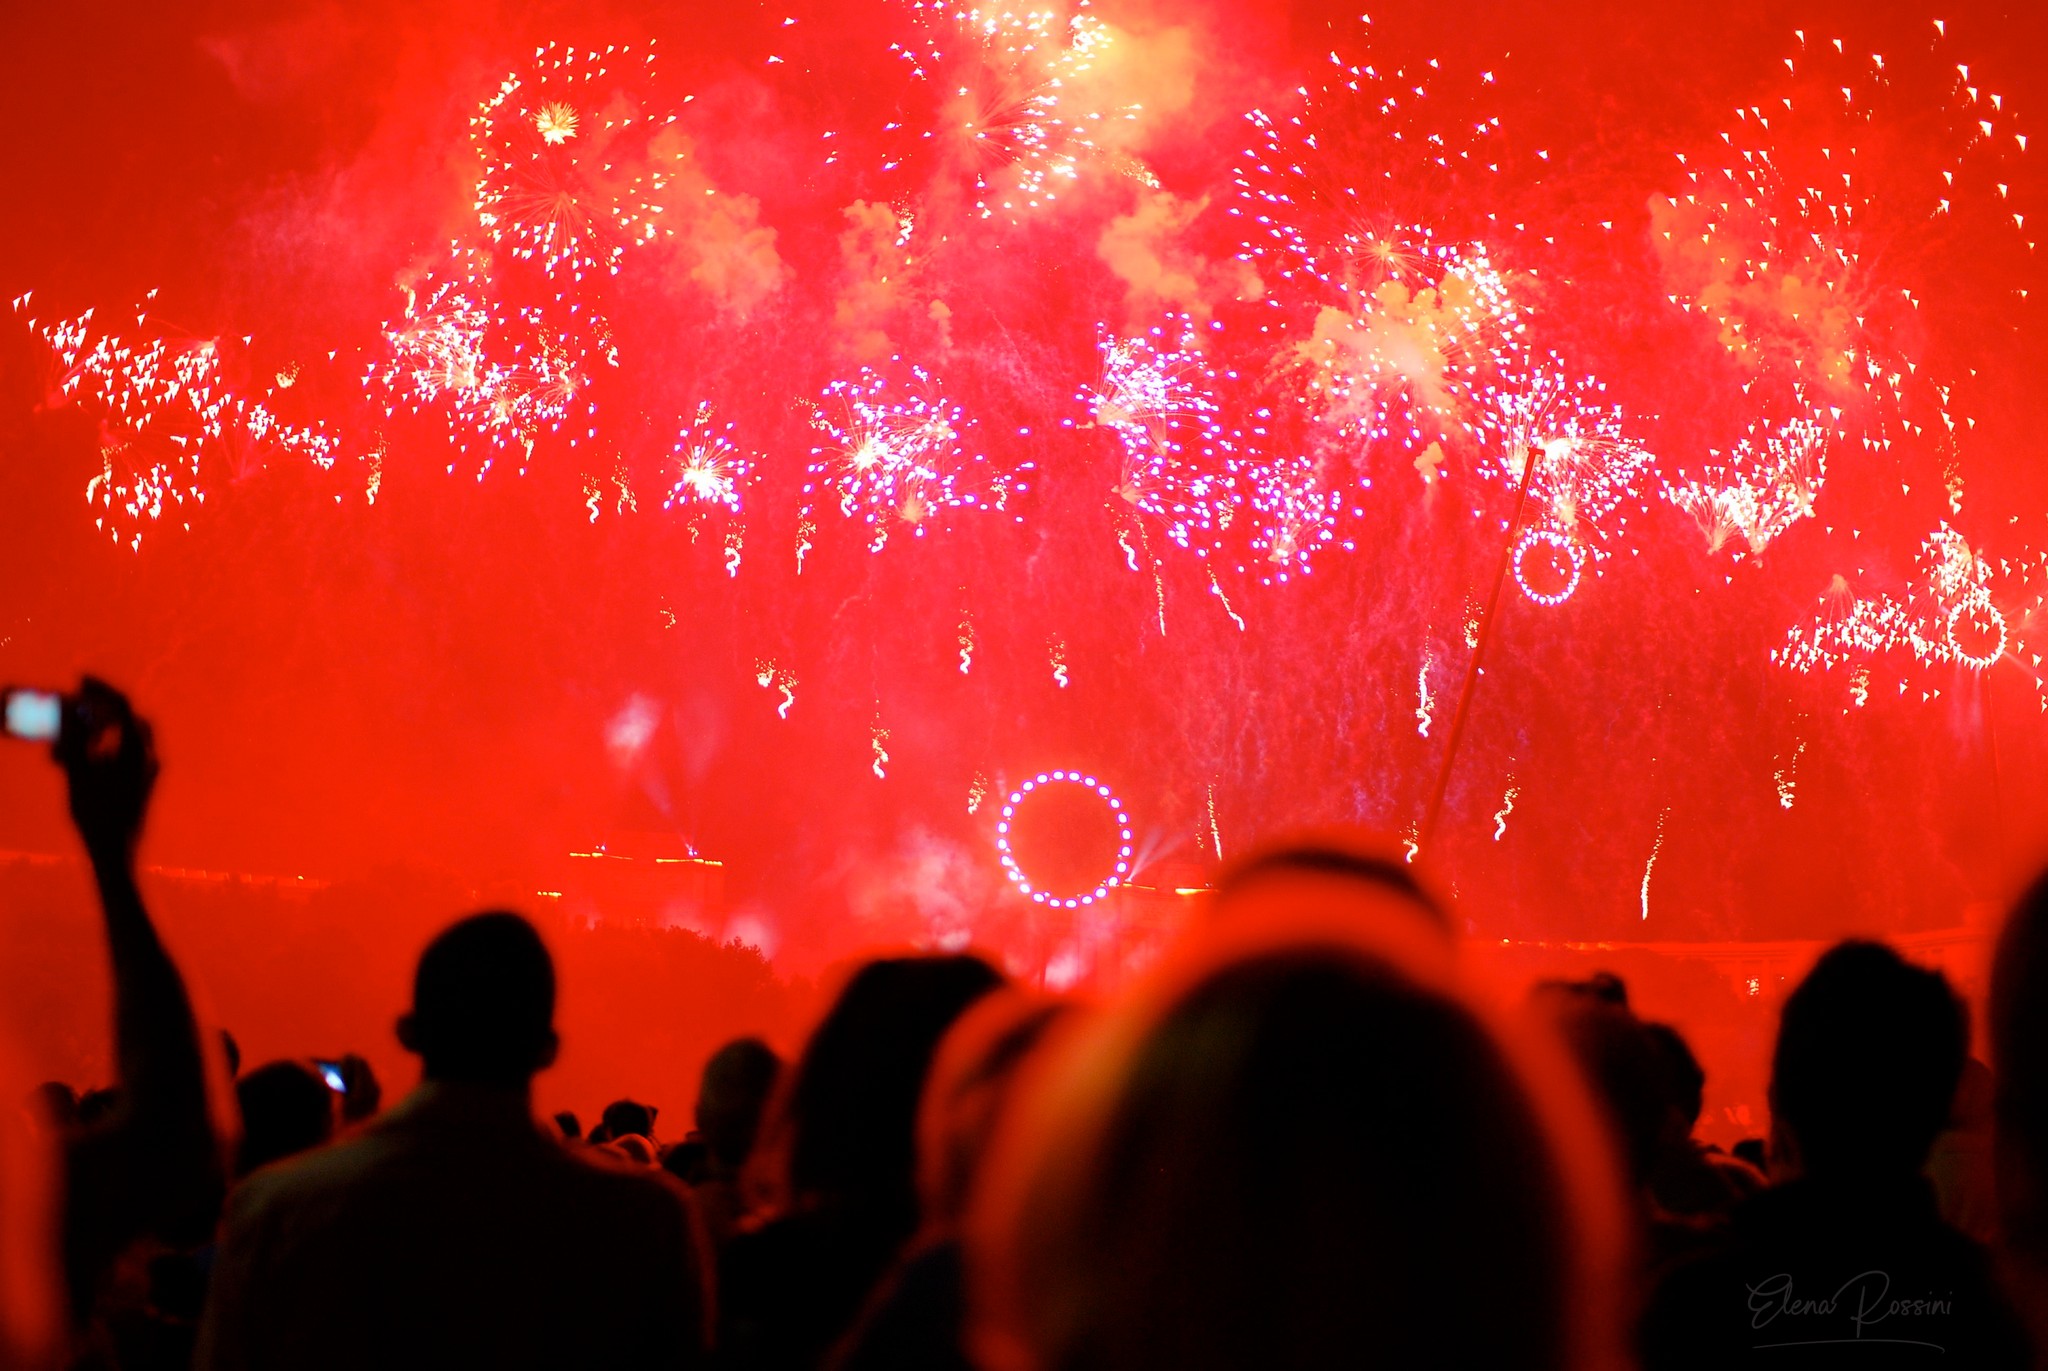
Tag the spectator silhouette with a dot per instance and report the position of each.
(286, 1109)
(1298, 1147)
(845, 1187)
(626, 1118)
(1846, 1260)
(731, 1097)
(2019, 1057)
(1960, 1162)
(916, 1319)
(143, 1161)
(452, 1231)
(31, 1302)
(1692, 1179)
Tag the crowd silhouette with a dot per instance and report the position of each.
(1312, 1135)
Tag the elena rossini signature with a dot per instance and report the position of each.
(1864, 1301)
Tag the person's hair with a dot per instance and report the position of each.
(970, 1082)
(1869, 1052)
(1335, 854)
(1602, 986)
(2019, 1059)
(851, 1108)
(1685, 1079)
(286, 1109)
(1296, 1155)
(626, 1118)
(731, 1095)
(484, 1002)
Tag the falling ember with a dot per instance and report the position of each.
(878, 739)
(1786, 777)
(977, 791)
(1424, 702)
(1216, 589)
(769, 676)
(1058, 652)
(1507, 807)
(1651, 865)
(966, 639)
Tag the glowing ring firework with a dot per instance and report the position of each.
(1116, 810)
(1556, 542)
(1993, 619)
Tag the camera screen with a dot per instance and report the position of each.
(34, 714)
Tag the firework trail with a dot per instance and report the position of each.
(1507, 807)
(1786, 777)
(1651, 865)
(1425, 703)
(769, 676)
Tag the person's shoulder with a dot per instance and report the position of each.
(604, 1179)
(334, 1168)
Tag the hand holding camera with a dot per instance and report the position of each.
(107, 752)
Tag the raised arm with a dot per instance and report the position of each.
(154, 1168)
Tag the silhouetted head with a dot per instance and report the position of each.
(483, 1003)
(851, 1107)
(1869, 1051)
(1621, 1067)
(731, 1095)
(2019, 1056)
(1301, 1154)
(286, 1109)
(624, 1118)
(1339, 861)
(1685, 1080)
(1603, 986)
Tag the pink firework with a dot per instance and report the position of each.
(896, 455)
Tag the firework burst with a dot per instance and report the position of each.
(1766, 483)
(896, 456)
